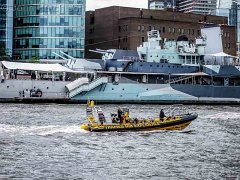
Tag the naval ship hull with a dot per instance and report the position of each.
(161, 93)
(122, 93)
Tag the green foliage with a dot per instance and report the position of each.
(3, 53)
(34, 60)
(2, 50)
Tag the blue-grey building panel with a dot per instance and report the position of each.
(6, 25)
(44, 28)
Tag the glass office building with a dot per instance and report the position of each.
(224, 4)
(197, 6)
(230, 9)
(6, 25)
(45, 27)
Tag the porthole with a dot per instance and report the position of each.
(112, 88)
(47, 87)
(7, 86)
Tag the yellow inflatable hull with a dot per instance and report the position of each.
(174, 123)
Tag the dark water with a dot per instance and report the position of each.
(45, 142)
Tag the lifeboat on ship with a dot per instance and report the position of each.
(121, 121)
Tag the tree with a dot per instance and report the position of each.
(3, 53)
(34, 60)
(2, 50)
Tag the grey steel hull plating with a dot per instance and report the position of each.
(123, 93)
(161, 93)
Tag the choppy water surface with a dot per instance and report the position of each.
(45, 142)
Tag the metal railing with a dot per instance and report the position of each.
(181, 78)
(176, 109)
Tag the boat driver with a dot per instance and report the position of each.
(120, 113)
(161, 115)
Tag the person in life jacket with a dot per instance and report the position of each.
(161, 115)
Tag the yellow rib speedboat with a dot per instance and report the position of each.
(122, 122)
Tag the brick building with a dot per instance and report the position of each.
(126, 28)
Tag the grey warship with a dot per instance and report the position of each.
(176, 72)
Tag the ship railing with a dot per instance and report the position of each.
(88, 86)
(132, 58)
(45, 95)
(181, 78)
(176, 109)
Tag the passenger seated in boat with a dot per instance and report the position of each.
(114, 118)
(101, 117)
(161, 115)
(135, 120)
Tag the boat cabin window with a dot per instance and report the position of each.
(188, 60)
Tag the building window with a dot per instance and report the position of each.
(139, 28)
(193, 32)
(173, 30)
(169, 30)
(228, 45)
(91, 30)
(150, 28)
(139, 38)
(163, 29)
(143, 28)
(199, 33)
(92, 19)
(142, 39)
(123, 28)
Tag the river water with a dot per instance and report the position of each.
(45, 142)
